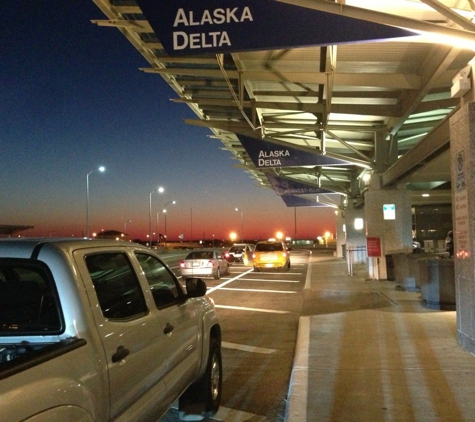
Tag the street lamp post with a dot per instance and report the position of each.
(165, 212)
(159, 190)
(125, 225)
(191, 224)
(242, 234)
(101, 169)
(158, 230)
(295, 222)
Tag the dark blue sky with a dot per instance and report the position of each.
(73, 98)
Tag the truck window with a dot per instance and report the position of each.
(163, 285)
(28, 300)
(118, 290)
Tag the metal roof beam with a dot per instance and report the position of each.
(381, 80)
(432, 69)
(358, 109)
(208, 85)
(450, 14)
(427, 106)
(136, 26)
(435, 143)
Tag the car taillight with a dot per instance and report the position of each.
(182, 264)
(253, 255)
(226, 255)
(210, 264)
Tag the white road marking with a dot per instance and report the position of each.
(271, 280)
(225, 414)
(241, 308)
(259, 290)
(298, 388)
(269, 274)
(244, 348)
(308, 278)
(212, 289)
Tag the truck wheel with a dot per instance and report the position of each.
(213, 379)
(202, 398)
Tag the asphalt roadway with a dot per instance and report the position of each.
(259, 315)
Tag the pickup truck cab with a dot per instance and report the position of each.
(98, 330)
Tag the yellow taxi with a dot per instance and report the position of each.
(271, 254)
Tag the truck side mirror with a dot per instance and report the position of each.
(195, 287)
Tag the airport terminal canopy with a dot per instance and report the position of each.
(311, 97)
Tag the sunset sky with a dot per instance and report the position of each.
(73, 99)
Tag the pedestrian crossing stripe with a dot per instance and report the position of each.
(245, 348)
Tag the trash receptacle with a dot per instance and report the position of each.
(437, 283)
(412, 282)
(401, 272)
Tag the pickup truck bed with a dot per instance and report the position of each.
(15, 358)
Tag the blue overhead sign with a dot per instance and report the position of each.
(284, 186)
(197, 27)
(265, 154)
(296, 201)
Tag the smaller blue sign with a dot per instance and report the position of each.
(284, 186)
(296, 201)
(265, 154)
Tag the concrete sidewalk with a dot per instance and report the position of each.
(368, 352)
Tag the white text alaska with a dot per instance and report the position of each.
(198, 40)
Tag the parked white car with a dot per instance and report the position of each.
(240, 252)
(204, 263)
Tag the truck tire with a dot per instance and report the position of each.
(202, 399)
(213, 379)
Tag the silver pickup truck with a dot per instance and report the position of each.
(94, 330)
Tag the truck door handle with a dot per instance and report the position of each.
(168, 329)
(120, 354)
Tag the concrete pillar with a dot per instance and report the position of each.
(340, 234)
(462, 156)
(395, 234)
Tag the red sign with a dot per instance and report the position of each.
(373, 246)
